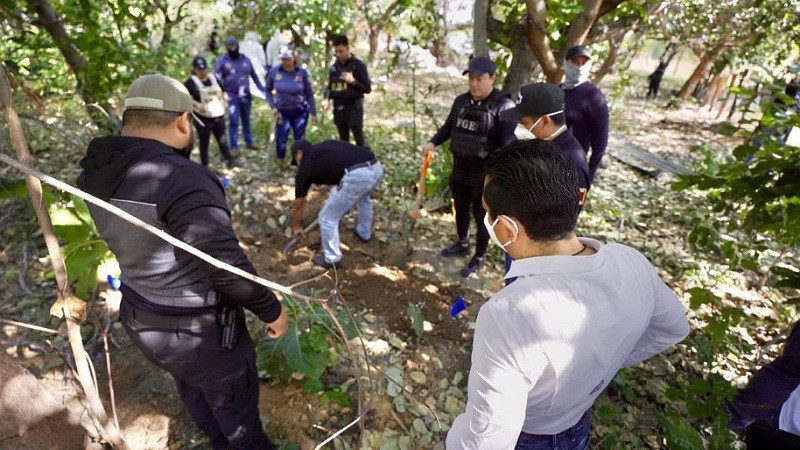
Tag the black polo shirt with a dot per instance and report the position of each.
(325, 162)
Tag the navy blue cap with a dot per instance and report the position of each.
(578, 50)
(480, 66)
(199, 63)
(231, 41)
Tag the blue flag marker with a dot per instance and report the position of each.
(114, 282)
(458, 306)
(225, 181)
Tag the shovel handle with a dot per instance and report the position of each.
(421, 189)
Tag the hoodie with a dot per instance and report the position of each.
(151, 181)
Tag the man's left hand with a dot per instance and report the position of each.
(299, 232)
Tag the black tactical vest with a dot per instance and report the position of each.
(472, 126)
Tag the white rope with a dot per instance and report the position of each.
(151, 229)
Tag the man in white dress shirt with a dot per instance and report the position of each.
(547, 345)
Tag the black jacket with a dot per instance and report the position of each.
(343, 93)
(151, 181)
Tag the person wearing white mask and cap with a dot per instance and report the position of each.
(585, 106)
(540, 114)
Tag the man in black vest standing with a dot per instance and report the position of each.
(348, 82)
(475, 130)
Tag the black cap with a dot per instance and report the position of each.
(199, 63)
(536, 99)
(480, 66)
(578, 50)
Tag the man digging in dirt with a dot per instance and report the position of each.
(185, 315)
(475, 130)
(354, 173)
(547, 345)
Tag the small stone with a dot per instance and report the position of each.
(288, 232)
(377, 347)
(396, 341)
(369, 318)
(419, 425)
(271, 223)
(427, 326)
(457, 378)
(405, 443)
(418, 377)
(282, 220)
(444, 384)
(451, 405)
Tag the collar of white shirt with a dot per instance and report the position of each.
(559, 263)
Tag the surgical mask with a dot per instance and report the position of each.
(573, 75)
(522, 133)
(493, 236)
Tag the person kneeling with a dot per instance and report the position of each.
(546, 346)
(354, 172)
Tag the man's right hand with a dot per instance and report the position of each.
(325, 104)
(429, 148)
(280, 325)
(298, 232)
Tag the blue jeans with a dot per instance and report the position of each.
(239, 107)
(356, 187)
(574, 438)
(295, 119)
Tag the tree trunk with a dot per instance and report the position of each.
(101, 112)
(736, 96)
(701, 71)
(480, 43)
(727, 97)
(539, 42)
(519, 72)
(608, 64)
(374, 32)
(713, 87)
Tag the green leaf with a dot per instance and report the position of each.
(312, 386)
(415, 315)
(681, 435)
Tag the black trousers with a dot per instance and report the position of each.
(467, 194)
(219, 387)
(214, 125)
(350, 117)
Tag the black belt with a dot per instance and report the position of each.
(173, 321)
(361, 165)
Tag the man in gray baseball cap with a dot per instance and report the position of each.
(185, 316)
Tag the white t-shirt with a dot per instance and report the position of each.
(548, 344)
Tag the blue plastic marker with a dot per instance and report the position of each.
(458, 306)
(114, 282)
(225, 181)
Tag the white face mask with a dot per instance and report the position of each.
(522, 133)
(493, 236)
(574, 75)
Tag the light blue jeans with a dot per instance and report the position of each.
(356, 187)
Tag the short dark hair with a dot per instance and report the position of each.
(300, 145)
(339, 39)
(533, 181)
(148, 118)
